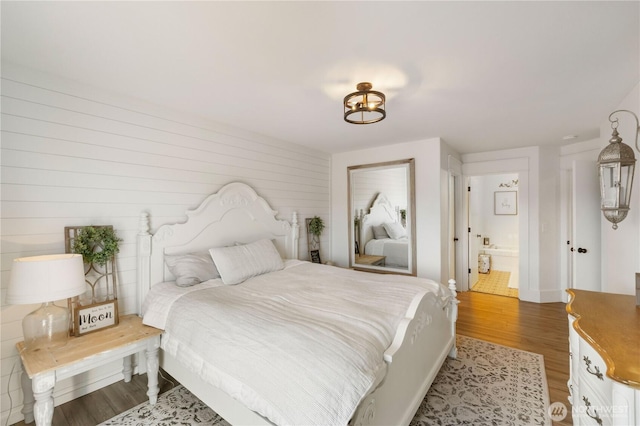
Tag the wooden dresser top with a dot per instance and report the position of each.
(611, 325)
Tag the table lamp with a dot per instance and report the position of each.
(45, 279)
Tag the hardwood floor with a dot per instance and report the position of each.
(533, 327)
(101, 405)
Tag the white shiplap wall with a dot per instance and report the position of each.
(74, 155)
(366, 185)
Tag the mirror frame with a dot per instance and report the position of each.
(411, 215)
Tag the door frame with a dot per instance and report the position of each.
(472, 248)
(456, 223)
(528, 277)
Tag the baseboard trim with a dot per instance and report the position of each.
(541, 296)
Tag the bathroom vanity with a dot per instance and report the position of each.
(604, 351)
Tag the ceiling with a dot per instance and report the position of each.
(480, 75)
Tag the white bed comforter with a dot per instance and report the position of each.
(300, 346)
(395, 251)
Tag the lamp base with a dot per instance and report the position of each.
(47, 327)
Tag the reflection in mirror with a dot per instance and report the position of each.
(382, 217)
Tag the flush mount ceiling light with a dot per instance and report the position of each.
(365, 106)
(616, 165)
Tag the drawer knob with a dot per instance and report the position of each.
(596, 373)
(595, 413)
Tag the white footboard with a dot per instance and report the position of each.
(423, 341)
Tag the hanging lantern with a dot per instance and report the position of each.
(616, 164)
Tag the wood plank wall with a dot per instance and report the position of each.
(74, 155)
(369, 183)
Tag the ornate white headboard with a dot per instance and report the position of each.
(381, 211)
(235, 214)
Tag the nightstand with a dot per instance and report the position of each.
(371, 260)
(42, 368)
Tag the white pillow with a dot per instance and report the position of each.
(192, 268)
(395, 230)
(379, 233)
(238, 263)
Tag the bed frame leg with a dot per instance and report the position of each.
(453, 353)
(453, 317)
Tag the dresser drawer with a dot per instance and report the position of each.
(574, 357)
(591, 410)
(592, 372)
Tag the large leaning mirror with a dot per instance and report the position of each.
(382, 217)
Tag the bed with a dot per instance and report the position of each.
(401, 343)
(382, 234)
(396, 251)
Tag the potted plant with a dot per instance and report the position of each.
(315, 226)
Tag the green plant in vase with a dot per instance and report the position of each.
(315, 226)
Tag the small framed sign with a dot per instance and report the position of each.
(315, 256)
(505, 202)
(95, 317)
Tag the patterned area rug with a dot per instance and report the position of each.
(177, 406)
(486, 385)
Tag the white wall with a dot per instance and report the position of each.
(431, 161)
(73, 155)
(548, 226)
(621, 247)
(502, 230)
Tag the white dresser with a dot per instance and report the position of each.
(604, 350)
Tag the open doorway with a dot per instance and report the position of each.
(493, 234)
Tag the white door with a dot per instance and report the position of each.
(456, 229)
(584, 244)
(457, 226)
(473, 238)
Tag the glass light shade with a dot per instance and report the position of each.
(616, 165)
(44, 279)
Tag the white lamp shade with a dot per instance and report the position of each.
(47, 278)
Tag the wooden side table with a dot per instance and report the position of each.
(369, 259)
(42, 368)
